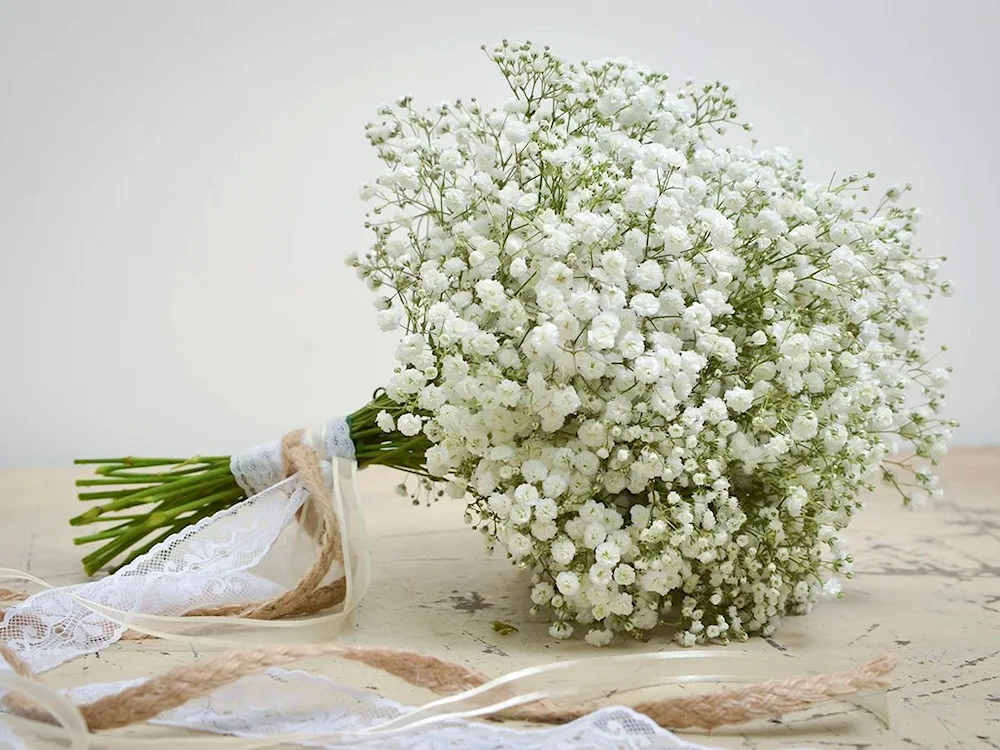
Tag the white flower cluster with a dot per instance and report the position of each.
(665, 369)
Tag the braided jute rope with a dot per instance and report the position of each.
(182, 684)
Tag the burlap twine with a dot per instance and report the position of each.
(185, 683)
(181, 684)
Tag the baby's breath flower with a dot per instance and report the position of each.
(599, 637)
(561, 630)
(408, 424)
(664, 367)
(568, 583)
(385, 422)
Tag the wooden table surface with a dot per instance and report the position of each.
(927, 589)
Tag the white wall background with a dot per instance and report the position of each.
(178, 185)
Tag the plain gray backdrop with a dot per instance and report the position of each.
(178, 185)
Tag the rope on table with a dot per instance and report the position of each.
(181, 684)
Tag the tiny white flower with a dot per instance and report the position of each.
(599, 575)
(389, 320)
(544, 529)
(639, 515)
(598, 637)
(592, 434)
(561, 630)
(500, 505)
(516, 131)
(534, 471)
(546, 508)
(563, 551)
(785, 282)
(647, 369)
(648, 276)
(739, 399)
(796, 500)
(409, 424)
(882, 418)
(622, 604)
(385, 422)
(607, 554)
(805, 427)
(624, 574)
(554, 485)
(527, 494)
(518, 545)
(519, 513)
(541, 593)
(518, 268)
(603, 331)
(714, 410)
(645, 304)
(594, 534)
(568, 583)
(640, 197)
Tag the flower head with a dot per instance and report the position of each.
(670, 364)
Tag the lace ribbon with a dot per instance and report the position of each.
(265, 465)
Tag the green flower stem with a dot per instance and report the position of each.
(167, 495)
(391, 457)
(173, 480)
(146, 478)
(179, 491)
(131, 473)
(368, 432)
(105, 494)
(130, 461)
(113, 519)
(112, 533)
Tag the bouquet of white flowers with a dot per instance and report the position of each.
(662, 368)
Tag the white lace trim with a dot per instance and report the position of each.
(261, 467)
(210, 563)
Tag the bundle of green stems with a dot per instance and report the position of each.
(144, 501)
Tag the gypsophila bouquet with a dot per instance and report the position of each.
(662, 368)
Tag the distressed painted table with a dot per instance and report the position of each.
(927, 589)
